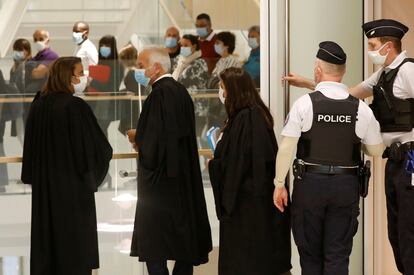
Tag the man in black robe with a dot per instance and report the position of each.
(171, 221)
(65, 158)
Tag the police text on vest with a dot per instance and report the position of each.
(334, 118)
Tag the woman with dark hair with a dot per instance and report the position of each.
(107, 77)
(22, 52)
(191, 69)
(225, 46)
(254, 236)
(65, 158)
(14, 112)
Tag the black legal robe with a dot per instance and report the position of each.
(254, 235)
(171, 221)
(65, 158)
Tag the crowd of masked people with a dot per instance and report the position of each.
(196, 62)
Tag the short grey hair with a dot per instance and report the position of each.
(254, 29)
(159, 55)
(331, 69)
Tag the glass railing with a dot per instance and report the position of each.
(116, 113)
(116, 197)
(142, 22)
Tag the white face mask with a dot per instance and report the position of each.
(81, 86)
(376, 57)
(221, 95)
(40, 45)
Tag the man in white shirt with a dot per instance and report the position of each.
(85, 49)
(393, 89)
(328, 128)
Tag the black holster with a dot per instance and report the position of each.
(364, 176)
(298, 168)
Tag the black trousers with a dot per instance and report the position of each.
(160, 268)
(325, 209)
(400, 215)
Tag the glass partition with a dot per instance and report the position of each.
(116, 100)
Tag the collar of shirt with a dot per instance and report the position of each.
(86, 43)
(255, 52)
(161, 77)
(42, 54)
(397, 61)
(212, 34)
(333, 90)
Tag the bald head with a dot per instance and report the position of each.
(172, 32)
(81, 26)
(40, 36)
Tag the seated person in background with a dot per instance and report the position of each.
(207, 39)
(45, 55)
(224, 46)
(252, 66)
(172, 36)
(22, 53)
(8, 112)
(37, 68)
(108, 61)
(192, 72)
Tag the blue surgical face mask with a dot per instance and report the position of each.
(77, 37)
(141, 78)
(202, 32)
(171, 42)
(253, 43)
(219, 49)
(105, 51)
(18, 55)
(186, 51)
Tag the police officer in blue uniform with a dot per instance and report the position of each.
(328, 128)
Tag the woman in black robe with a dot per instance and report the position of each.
(254, 236)
(65, 158)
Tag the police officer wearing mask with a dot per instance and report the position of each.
(328, 128)
(393, 89)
